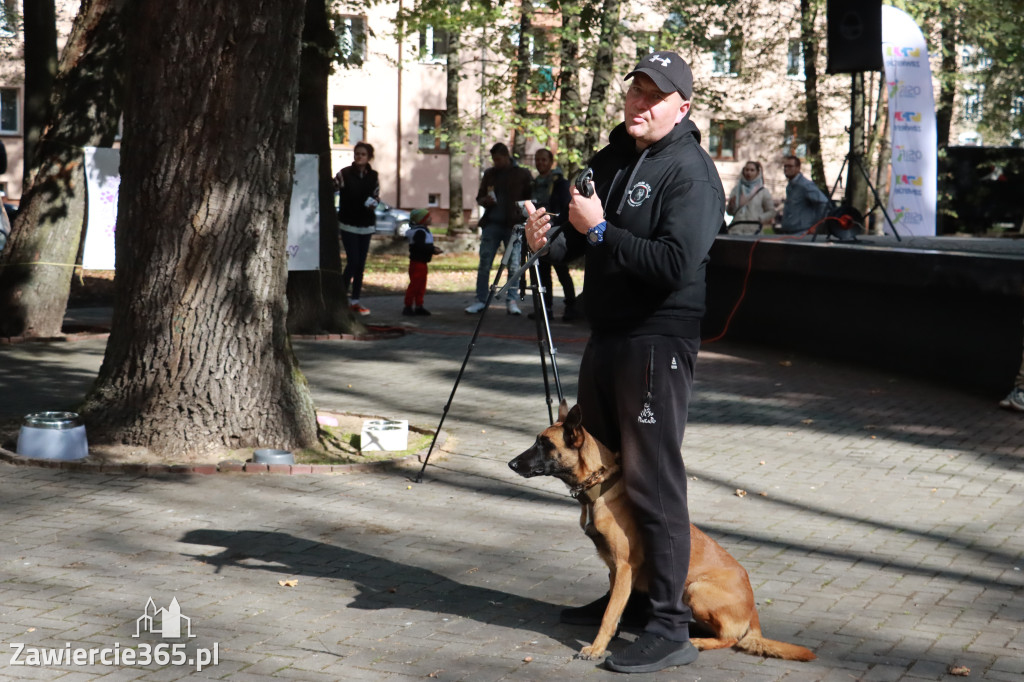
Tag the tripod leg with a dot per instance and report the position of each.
(878, 200)
(502, 268)
(540, 316)
(545, 340)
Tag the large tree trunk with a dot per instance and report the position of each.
(40, 20)
(604, 73)
(947, 91)
(38, 262)
(199, 356)
(456, 147)
(521, 89)
(570, 105)
(809, 39)
(316, 298)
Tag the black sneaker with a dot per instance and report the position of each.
(651, 653)
(420, 310)
(635, 615)
(408, 311)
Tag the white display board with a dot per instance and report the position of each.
(103, 179)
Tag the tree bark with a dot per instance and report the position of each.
(36, 270)
(456, 146)
(604, 72)
(521, 88)
(570, 105)
(809, 39)
(947, 92)
(316, 298)
(40, 20)
(199, 357)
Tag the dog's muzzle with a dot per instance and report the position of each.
(531, 463)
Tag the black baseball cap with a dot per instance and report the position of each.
(669, 71)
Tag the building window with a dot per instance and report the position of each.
(795, 59)
(794, 139)
(1017, 106)
(351, 33)
(434, 45)
(972, 105)
(722, 140)
(349, 125)
(9, 110)
(725, 55)
(431, 138)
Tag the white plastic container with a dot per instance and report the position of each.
(384, 434)
(53, 435)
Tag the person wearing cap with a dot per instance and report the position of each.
(421, 250)
(645, 233)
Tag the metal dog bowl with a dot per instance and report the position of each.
(271, 456)
(53, 435)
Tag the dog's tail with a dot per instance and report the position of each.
(757, 644)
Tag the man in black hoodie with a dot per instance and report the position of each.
(645, 233)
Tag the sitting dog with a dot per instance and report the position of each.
(717, 587)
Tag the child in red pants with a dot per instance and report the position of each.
(421, 250)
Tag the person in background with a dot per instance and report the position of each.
(359, 189)
(646, 234)
(1015, 398)
(805, 203)
(421, 250)
(503, 184)
(551, 192)
(750, 203)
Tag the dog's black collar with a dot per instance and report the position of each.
(597, 484)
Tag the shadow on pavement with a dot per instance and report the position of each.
(383, 584)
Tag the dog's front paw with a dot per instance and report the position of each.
(590, 653)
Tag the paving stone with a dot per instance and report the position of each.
(892, 551)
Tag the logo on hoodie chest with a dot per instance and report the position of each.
(638, 194)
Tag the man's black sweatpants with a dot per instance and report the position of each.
(634, 392)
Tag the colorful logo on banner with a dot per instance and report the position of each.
(912, 191)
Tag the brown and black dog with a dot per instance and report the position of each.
(717, 587)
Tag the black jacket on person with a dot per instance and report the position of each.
(663, 206)
(354, 191)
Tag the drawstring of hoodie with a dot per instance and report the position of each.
(629, 183)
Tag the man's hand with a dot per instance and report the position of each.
(538, 222)
(585, 212)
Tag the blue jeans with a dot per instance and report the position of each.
(490, 237)
(357, 247)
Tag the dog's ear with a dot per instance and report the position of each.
(572, 427)
(563, 410)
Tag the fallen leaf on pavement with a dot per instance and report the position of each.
(959, 670)
(287, 583)
(741, 493)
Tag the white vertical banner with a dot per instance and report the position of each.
(908, 74)
(304, 216)
(103, 179)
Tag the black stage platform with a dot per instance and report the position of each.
(942, 308)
